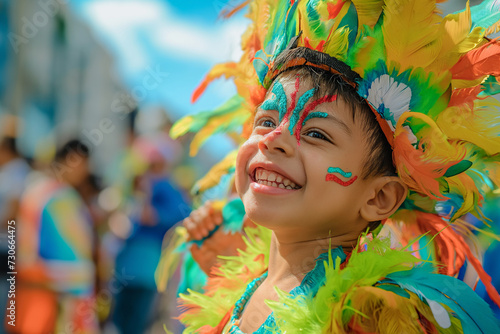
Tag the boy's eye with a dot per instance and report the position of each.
(316, 134)
(266, 123)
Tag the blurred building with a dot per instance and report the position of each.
(59, 79)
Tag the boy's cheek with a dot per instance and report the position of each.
(242, 160)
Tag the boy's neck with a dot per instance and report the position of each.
(290, 261)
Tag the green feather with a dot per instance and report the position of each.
(460, 167)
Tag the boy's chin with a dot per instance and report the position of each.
(269, 218)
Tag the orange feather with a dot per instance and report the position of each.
(227, 70)
(479, 62)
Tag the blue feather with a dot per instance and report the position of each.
(485, 14)
(474, 314)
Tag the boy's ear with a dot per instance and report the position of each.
(386, 195)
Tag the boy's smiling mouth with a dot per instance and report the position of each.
(270, 178)
(273, 179)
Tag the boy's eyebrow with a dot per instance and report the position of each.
(329, 117)
(340, 123)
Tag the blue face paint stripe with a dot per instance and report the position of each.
(340, 171)
(278, 103)
(317, 114)
(269, 104)
(298, 108)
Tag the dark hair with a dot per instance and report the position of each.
(9, 143)
(72, 146)
(379, 158)
(378, 161)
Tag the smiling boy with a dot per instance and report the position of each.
(283, 177)
(356, 121)
(332, 135)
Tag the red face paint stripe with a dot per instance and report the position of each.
(294, 96)
(293, 103)
(331, 177)
(308, 109)
(273, 134)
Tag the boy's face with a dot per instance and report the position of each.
(299, 172)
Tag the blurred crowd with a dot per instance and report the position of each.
(87, 242)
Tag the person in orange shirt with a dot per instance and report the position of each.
(56, 273)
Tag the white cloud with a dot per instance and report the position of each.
(121, 22)
(121, 14)
(118, 21)
(186, 39)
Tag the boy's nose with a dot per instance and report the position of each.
(277, 140)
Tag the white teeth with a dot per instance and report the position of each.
(273, 179)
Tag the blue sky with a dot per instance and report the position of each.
(181, 38)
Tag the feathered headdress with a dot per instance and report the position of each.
(428, 79)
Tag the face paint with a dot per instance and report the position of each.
(278, 102)
(273, 134)
(293, 112)
(332, 177)
(317, 114)
(305, 115)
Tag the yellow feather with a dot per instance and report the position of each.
(467, 125)
(389, 312)
(213, 177)
(368, 11)
(456, 84)
(169, 259)
(181, 127)
(464, 185)
(457, 39)
(338, 44)
(303, 24)
(456, 27)
(493, 29)
(473, 40)
(341, 14)
(210, 128)
(411, 33)
(453, 30)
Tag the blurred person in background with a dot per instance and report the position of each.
(13, 172)
(157, 204)
(56, 273)
(90, 191)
